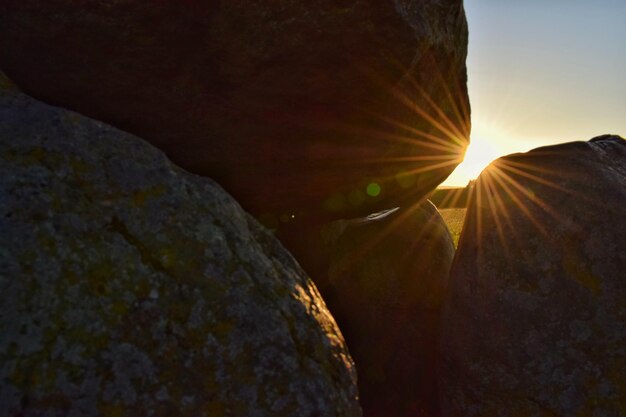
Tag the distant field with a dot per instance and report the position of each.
(454, 219)
(450, 197)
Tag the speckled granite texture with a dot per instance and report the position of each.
(130, 287)
(535, 322)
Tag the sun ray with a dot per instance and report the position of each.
(452, 198)
(451, 146)
(447, 161)
(413, 158)
(462, 114)
(463, 118)
(527, 167)
(479, 220)
(441, 144)
(491, 192)
(501, 203)
(436, 107)
(501, 178)
(507, 166)
(532, 197)
(412, 105)
(431, 167)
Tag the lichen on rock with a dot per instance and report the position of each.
(133, 288)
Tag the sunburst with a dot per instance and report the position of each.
(447, 136)
(511, 188)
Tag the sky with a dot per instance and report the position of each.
(542, 72)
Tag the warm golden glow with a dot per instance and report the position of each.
(480, 152)
(506, 192)
(490, 139)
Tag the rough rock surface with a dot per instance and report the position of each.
(388, 276)
(535, 323)
(294, 107)
(133, 288)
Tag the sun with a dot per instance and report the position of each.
(480, 153)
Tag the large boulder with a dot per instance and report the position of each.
(387, 279)
(294, 107)
(535, 322)
(133, 288)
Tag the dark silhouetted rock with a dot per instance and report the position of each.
(133, 288)
(388, 276)
(535, 322)
(294, 107)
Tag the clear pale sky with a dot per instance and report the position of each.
(542, 72)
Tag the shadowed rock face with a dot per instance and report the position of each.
(132, 288)
(535, 322)
(387, 278)
(293, 106)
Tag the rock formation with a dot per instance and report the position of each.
(133, 288)
(388, 277)
(294, 107)
(535, 322)
(306, 112)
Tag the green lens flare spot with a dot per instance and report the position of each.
(373, 190)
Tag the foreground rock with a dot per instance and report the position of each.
(295, 107)
(388, 276)
(535, 324)
(132, 288)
